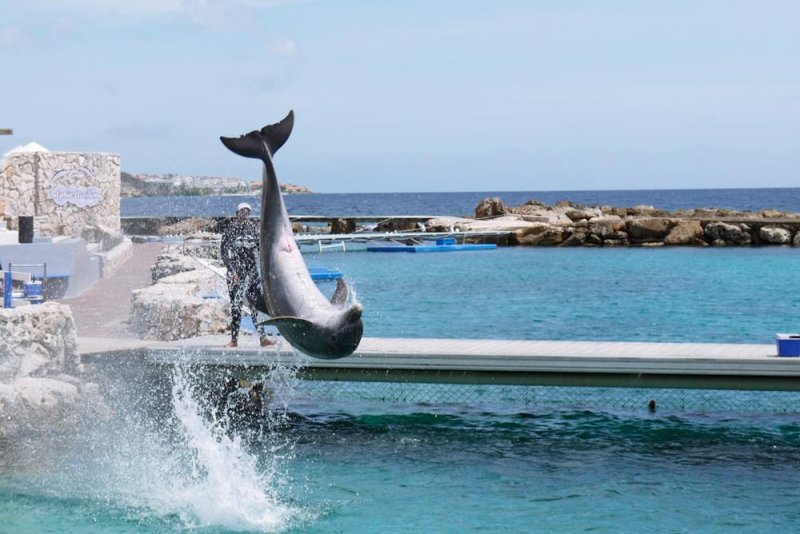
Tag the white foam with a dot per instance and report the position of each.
(225, 487)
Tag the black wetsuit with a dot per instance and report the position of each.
(240, 255)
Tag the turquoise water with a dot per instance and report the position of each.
(742, 295)
(402, 458)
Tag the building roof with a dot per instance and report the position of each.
(30, 147)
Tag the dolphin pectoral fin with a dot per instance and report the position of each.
(288, 320)
(252, 145)
(341, 293)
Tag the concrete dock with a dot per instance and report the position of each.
(451, 361)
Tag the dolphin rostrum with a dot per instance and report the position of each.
(305, 318)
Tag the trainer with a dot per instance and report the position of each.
(239, 251)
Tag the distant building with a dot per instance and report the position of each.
(65, 192)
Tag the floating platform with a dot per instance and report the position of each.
(430, 248)
(441, 245)
(323, 274)
(501, 362)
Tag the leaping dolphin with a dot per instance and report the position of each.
(302, 314)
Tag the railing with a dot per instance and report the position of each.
(31, 292)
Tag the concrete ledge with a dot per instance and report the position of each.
(112, 260)
(562, 363)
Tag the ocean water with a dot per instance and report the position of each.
(463, 204)
(730, 295)
(163, 453)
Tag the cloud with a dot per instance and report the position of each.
(285, 48)
(269, 84)
(118, 7)
(12, 36)
(141, 130)
(216, 13)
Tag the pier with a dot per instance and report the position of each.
(499, 362)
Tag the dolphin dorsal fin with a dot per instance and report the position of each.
(340, 294)
(252, 145)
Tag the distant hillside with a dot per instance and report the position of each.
(150, 185)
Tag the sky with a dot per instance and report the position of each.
(396, 96)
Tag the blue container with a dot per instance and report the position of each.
(446, 241)
(33, 290)
(788, 345)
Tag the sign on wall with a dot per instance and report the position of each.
(68, 193)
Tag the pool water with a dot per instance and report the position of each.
(742, 295)
(156, 457)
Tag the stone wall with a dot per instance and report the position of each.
(569, 224)
(66, 192)
(40, 368)
(175, 306)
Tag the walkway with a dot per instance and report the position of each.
(552, 363)
(102, 311)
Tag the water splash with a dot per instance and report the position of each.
(224, 487)
(157, 458)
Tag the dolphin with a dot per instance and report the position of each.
(306, 319)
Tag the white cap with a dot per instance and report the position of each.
(243, 205)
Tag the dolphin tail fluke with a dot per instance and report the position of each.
(275, 135)
(261, 143)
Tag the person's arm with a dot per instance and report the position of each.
(225, 247)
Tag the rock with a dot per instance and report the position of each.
(684, 233)
(538, 213)
(173, 309)
(37, 340)
(641, 211)
(574, 239)
(796, 240)
(563, 204)
(543, 235)
(616, 212)
(594, 239)
(729, 233)
(169, 263)
(343, 226)
(773, 214)
(606, 228)
(192, 225)
(205, 245)
(648, 230)
(489, 208)
(38, 351)
(396, 225)
(203, 282)
(577, 214)
(444, 224)
(704, 213)
(775, 235)
(37, 405)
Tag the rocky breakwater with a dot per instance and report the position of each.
(570, 224)
(40, 369)
(183, 301)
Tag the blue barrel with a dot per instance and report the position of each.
(788, 345)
